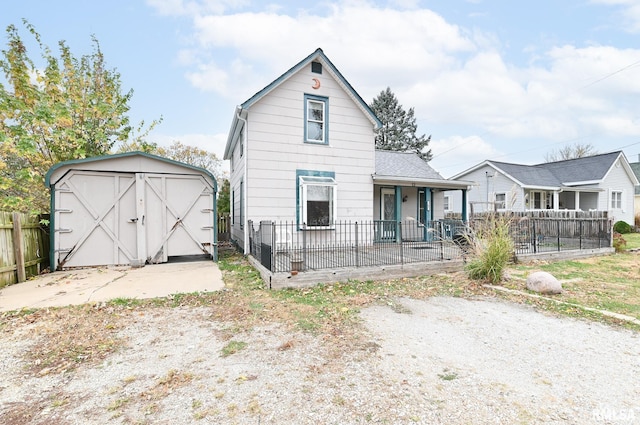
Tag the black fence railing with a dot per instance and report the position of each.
(284, 247)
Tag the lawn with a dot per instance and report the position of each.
(633, 240)
(609, 283)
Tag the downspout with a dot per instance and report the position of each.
(244, 179)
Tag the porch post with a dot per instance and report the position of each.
(556, 200)
(465, 217)
(428, 207)
(577, 201)
(398, 215)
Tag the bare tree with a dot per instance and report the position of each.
(576, 150)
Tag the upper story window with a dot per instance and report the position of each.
(316, 114)
(241, 137)
(616, 200)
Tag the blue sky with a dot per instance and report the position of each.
(489, 79)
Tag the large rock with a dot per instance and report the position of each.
(544, 283)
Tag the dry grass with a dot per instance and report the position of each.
(67, 337)
(609, 283)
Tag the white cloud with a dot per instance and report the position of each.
(453, 76)
(628, 16)
(455, 154)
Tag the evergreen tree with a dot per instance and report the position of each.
(398, 131)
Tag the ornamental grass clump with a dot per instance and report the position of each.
(491, 248)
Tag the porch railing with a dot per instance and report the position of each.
(285, 247)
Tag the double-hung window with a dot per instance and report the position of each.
(501, 201)
(318, 206)
(315, 119)
(616, 200)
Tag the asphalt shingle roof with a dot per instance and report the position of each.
(635, 166)
(404, 164)
(591, 168)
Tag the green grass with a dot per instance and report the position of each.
(232, 347)
(633, 240)
(610, 283)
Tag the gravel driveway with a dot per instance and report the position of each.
(442, 360)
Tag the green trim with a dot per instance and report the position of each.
(325, 118)
(307, 173)
(318, 53)
(47, 179)
(52, 229)
(55, 167)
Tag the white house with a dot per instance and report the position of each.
(602, 182)
(302, 150)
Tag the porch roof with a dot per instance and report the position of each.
(407, 168)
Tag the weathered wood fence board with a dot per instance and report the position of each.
(24, 247)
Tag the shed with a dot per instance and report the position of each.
(132, 209)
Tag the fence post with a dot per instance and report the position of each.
(18, 247)
(357, 254)
(580, 233)
(535, 237)
(558, 235)
(401, 244)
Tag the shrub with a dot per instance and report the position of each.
(492, 248)
(622, 227)
(619, 242)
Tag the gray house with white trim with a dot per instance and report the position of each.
(602, 182)
(302, 150)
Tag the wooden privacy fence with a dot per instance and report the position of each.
(24, 247)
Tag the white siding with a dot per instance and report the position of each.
(277, 150)
(237, 175)
(484, 188)
(618, 180)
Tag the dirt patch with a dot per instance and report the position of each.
(442, 360)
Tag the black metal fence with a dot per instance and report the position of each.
(285, 246)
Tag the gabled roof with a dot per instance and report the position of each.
(318, 56)
(135, 161)
(571, 172)
(394, 166)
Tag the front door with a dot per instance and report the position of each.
(388, 213)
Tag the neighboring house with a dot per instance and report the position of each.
(635, 166)
(302, 150)
(603, 182)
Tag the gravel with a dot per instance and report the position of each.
(441, 360)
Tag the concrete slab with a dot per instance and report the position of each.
(103, 284)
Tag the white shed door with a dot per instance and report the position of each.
(105, 218)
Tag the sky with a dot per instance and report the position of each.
(504, 80)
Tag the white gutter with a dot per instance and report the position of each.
(244, 180)
(435, 183)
